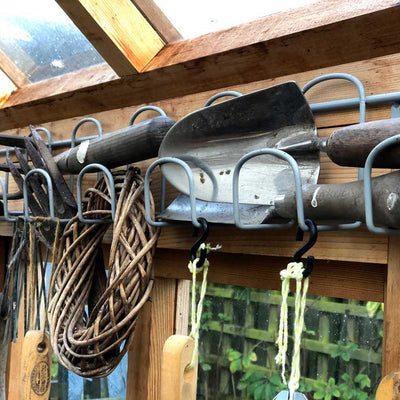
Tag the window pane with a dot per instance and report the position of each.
(341, 346)
(194, 18)
(42, 41)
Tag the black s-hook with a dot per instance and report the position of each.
(307, 246)
(203, 253)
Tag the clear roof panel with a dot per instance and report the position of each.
(194, 18)
(42, 41)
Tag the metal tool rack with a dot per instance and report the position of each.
(364, 173)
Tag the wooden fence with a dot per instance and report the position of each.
(342, 340)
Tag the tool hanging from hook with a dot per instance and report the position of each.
(295, 270)
(180, 353)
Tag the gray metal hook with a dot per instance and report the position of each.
(49, 192)
(73, 138)
(146, 108)
(166, 160)
(107, 173)
(226, 93)
(362, 110)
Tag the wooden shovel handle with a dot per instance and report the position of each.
(389, 387)
(178, 382)
(35, 366)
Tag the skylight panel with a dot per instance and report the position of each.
(194, 18)
(42, 41)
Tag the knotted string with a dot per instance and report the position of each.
(197, 311)
(293, 271)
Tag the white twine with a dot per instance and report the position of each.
(293, 271)
(197, 311)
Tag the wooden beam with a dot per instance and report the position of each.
(158, 20)
(12, 71)
(391, 347)
(182, 68)
(117, 30)
(361, 281)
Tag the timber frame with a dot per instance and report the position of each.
(361, 38)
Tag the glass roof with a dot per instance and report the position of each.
(194, 18)
(42, 41)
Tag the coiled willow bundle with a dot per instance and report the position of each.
(92, 316)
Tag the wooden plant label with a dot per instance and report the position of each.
(35, 366)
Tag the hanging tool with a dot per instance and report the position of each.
(35, 366)
(180, 354)
(389, 387)
(127, 145)
(284, 395)
(213, 139)
(294, 270)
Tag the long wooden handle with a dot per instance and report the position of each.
(389, 387)
(178, 382)
(35, 366)
(131, 144)
(345, 202)
(351, 145)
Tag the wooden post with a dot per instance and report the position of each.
(391, 344)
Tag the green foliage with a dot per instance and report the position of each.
(224, 318)
(326, 390)
(206, 315)
(344, 350)
(352, 389)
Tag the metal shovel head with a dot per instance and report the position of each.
(213, 139)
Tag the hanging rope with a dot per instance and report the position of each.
(293, 271)
(92, 316)
(197, 311)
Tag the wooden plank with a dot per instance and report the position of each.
(341, 41)
(362, 281)
(12, 71)
(182, 307)
(158, 20)
(391, 348)
(162, 326)
(117, 30)
(138, 357)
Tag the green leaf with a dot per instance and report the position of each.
(319, 395)
(259, 393)
(205, 367)
(346, 356)
(256, 376)
(275, 379)
(235, 366)
(253, 356)
(336, 393)
(234, 355)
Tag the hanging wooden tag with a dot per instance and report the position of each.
(389, 387)
(35, 366)
(178, 382)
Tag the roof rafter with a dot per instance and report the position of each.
(118, 31)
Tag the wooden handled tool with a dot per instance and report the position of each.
(389, 387)
(35, 366)
(177, 381)
(345, 201)
(350, 146)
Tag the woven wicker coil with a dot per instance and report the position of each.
(92, 314)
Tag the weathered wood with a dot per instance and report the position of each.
(117, 30)
(362, 281)
(158, 20)
(340, 41)
(391, 348)
(138, 357)
(35, 366)
(162, 326)
(182, 307)
(12, 71)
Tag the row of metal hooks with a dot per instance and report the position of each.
(364, 173)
